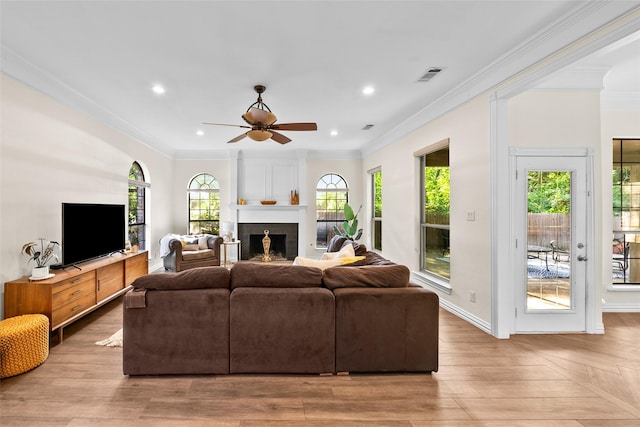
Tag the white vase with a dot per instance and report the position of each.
(40, 272)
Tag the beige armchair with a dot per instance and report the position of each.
(192, 251)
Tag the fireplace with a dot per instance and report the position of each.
(284, 240)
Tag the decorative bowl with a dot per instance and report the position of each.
(268, 202)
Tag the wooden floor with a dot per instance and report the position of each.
(529, 380)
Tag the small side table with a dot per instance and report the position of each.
(225, 245)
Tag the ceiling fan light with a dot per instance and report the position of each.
(248, 117)
(259, 135)
(271, 118)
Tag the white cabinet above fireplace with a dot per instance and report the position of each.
(274, 179)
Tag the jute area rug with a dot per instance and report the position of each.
(114, 340)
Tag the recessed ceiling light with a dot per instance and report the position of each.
(368, 90)
(158, 89)
(333, 132)
(199, 132)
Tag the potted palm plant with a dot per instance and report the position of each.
(40, 251)
(350, 228)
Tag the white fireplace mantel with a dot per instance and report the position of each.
(273, 214)
(270, 213)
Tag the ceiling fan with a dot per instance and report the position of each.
(262, 123)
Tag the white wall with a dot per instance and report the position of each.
(51, 154)
(615, 124)
(467, 128)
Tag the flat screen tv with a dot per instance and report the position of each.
(91, 230)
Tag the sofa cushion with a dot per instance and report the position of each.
(282, 330)
(262, 275)
(359, 249)
(372, 276)
(335, 244)
(194, 254)
(195, 278)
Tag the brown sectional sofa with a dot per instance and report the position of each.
(266, 318)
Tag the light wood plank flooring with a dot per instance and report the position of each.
(529, 380)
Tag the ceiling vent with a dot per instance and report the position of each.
(431, 73)
(367, 127)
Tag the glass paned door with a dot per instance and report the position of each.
(548, 240)
(551, 247)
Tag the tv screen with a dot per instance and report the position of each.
(91, 231)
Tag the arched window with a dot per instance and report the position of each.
(137, 206)
(204, 205)
(332, 193)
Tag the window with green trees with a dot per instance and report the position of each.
(137, 203)
(626, 212)
(435, 256)
(204, 205)
(332, 193)
(376, 220)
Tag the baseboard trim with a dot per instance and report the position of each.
(621, 308)
(465, 315)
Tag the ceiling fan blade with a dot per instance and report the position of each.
(295, 126)
(278, 137)
(224, 124)
(237, 138)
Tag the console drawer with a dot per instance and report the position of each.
(72, 289)
(78, 305)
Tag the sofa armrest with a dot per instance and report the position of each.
(215, 242)
(174, 257)
(175, 247)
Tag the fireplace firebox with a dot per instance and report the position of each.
(284, 240)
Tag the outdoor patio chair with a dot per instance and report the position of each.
(621, 260)
(556, 252)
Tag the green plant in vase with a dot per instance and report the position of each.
(349, 228)
(40, 251)
(133, 238)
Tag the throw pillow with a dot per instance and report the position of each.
(318, 263)
(346, 251)
(326, 263)
(359, 248)
(202, 242)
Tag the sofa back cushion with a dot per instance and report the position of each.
(335, 244)
(195, 278)
(369, 276)
(257, 275)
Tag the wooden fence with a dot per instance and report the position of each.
(545, 227)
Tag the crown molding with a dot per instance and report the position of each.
(551, 49)
(21, 70)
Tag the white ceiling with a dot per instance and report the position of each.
(315, 57)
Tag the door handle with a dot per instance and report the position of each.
(582, 258)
